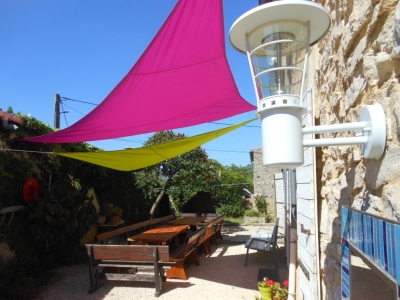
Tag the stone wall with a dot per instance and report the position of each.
(357, 64)
(264, 182)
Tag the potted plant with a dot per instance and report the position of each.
(115, 214)
(265, 288)
(101, 219)
(103, 212)
(271, 290)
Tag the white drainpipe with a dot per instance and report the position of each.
(292, 237)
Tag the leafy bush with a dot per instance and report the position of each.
(261, 204)
(230, 201)
(230, 209)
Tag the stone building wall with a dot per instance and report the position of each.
(357, 64)
(264, 183)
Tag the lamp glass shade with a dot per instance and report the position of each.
(277, 52)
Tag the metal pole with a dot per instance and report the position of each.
(360, 140)
(292, 236)
(56, 111)
(285, 194)
(292, 264)
(293, 207)
(335, 128)
(287, 212)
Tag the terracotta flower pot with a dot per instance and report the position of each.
(114, 220)
(101, 220)
(266, 292)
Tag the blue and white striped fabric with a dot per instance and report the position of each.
(378, 239)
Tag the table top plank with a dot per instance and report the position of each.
(168, 228)
(161, 234)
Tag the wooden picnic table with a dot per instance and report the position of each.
(161, 234)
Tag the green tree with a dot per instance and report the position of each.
(10, 110)
(238, 175)
(229, 195)
(181, 177)
(230, 201)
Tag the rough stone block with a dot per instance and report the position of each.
(360, 17)
(396, 32)
(356, 88)
(384, 65)
(391, 200)
(370, 70)
(357, 55)
(380, 172)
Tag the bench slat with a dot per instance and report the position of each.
(141, 265)
(178, 255)
(130, 277)
(128, 252)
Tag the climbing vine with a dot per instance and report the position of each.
(62, 213)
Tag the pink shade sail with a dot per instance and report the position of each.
(182, 79)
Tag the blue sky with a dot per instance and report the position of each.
(82, 49)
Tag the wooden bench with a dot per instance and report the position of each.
(204, 241)
(186, 254)
(104, 237)
(263, 242)
(142, 226)
(158, 221)
(127, 263)
(216, 230)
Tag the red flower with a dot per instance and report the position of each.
(286, 283)
(270, 283)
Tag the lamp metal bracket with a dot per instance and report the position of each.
(371, 136)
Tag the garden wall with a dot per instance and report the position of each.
(264, 182)
(357, 65)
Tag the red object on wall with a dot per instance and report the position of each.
(31, 189)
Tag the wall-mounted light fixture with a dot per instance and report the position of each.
(277, 37)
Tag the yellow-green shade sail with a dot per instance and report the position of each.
(133, 159)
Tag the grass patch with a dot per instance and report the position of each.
(230, 221)
(253, 213)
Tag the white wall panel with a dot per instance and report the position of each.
(306, 212)
(305, 190)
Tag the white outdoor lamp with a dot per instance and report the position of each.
(276, 37)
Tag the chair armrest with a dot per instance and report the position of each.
(251, 240)
(265, 230)
(261, 236)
